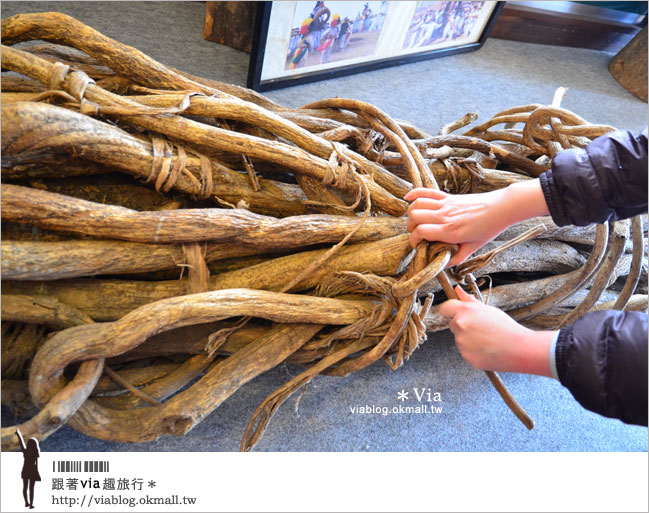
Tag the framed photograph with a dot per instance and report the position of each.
(305, 41)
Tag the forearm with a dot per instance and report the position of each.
(491, 340)
(531, 355)
(522, 201)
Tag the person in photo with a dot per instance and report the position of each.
(328, 38)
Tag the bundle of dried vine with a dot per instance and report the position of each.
(159, 228)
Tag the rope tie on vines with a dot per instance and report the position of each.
(165, 177)
(161, 161)
(70, 79)
(332, 176)
(206, 177)
(348, 282)
(437, 259)
(370, 139)
(367, 142)
(75, 82)
(411, 329)
(179, 167)
(461, 184)
(354, 338)
(199, 274)
(339, 167)
(373, 146)
(78, 82)
(339, 174)
(94, 109)
(247, 162)
(57, 75)
(198, 278)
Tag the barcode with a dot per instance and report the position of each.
(79, 466)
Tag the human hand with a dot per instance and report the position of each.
(471, 220)
(491, 340)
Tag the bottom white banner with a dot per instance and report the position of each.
(180, 482)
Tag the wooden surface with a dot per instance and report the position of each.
(230, 23)
(629, 66)
(552, 23)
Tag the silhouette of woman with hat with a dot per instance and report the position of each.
(30, 467)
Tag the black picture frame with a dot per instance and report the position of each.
(258, 52)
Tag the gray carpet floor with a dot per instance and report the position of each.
(431, 93)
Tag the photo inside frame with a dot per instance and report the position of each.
(334, 32)
(438, 24)
(308, 38)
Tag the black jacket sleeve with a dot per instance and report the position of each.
(606, 181)
(602, 360)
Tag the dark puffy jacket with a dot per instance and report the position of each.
(602, 358)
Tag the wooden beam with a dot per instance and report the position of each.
(230, 24)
